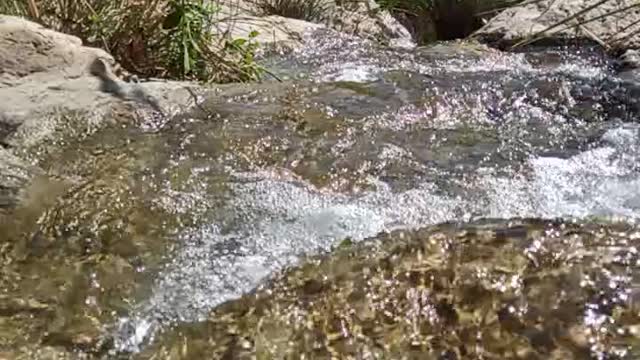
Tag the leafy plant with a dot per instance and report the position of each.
(244, 50)
(12, 7)
(152, 38)
(187, 37)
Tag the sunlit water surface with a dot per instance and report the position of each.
(432, 136)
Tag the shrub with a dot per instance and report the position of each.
(154, 38)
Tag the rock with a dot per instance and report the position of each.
(492, 288)
(630, 60)
(32, 53)
(520, 22)
(36, 352)
(272, 30)
(14, 176)
(45, 73)
(366, 19)
(238, 19)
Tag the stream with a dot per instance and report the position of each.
(384, 139)
(360, 139)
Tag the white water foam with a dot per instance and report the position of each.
(273, 220)
(604, 181)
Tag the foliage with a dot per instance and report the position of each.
(309, 10)
(154, 38)
(12, 7)
(187, 49)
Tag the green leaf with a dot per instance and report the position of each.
(239, 42)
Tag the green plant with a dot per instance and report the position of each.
(309, 10)
(187, 37)
(152, 38)
(193, 52)
(14, 7)
(244, 51)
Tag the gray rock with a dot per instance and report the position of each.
(32, 53)
(366, 19)
(520, 22)
(45, 72)
(362, 18)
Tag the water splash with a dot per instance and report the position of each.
(270, 220)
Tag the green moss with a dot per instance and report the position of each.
(497, 289)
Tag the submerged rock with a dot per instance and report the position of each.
(521, 22)
(74, 251)
(517, 289)
(15, 174)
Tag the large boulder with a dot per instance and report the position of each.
(366, 19)
(272, 30)
(496, 289)
(44, 72)
(521, 22)
(31, 53)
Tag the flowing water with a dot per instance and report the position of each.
(379, 139)
(360, 139)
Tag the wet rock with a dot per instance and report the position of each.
(520, 22)
(503, 289)
(74, 250)
(456, 49)
(630, 59)
(45, 73)
(12, 305)
(15, 175)
(38, 353)
(629, 67)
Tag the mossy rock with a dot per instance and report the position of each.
(520, 289)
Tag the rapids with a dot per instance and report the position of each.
(360, 139)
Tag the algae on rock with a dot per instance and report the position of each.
(519, 289)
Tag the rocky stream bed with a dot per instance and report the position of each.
(444, 202)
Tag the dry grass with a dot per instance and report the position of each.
(309, 10)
